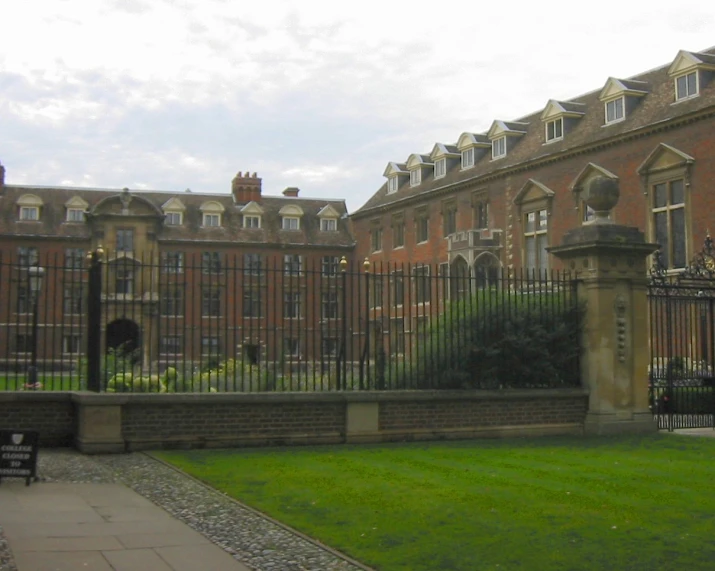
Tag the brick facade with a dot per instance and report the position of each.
(659, 139)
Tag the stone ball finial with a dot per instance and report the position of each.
(602, 195)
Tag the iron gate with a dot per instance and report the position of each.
(682, 342)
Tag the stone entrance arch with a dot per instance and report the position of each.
(459, 278)
(123, 334)
(486, 270)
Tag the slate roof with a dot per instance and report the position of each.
(53, 223)
(654, 107)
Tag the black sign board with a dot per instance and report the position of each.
(18, 454)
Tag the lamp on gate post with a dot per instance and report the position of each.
(35, 276)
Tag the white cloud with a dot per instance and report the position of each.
(188, 90)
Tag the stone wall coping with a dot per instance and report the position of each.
(118, 399)
(35, 396)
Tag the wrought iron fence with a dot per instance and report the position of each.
(682, 342)
(118, 321)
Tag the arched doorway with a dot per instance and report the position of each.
(486, 271)
(459, 278)
(123, 336)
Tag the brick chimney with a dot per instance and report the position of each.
(291, 191)
(246, 187)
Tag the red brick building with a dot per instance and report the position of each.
(186, 276)
(500, 197)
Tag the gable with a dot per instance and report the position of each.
(29, 200)
(417, 160)
(394, 168)
(616, 88)
(533, 190)
(555, 109)
(291, 210)
(252, 208)
(686, 62)
(587, 173)
(328, 212)
(212, 206)
(77, 202)
(173, 205)
(664, 157)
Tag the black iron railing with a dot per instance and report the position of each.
(120, 321)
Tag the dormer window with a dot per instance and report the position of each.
(211, 214)
(686, 86)
(614, 110)
(440, 168)
(328, 225)
(251, 221)
(392, 184)
(29, 213)
(690, 72)
(415, 177)
(29, 208)
(499, 148)
(468, 158)
(174, 211)
(75, 215)
(291, 223)
(173, 219)
(290, 217)
(555, 130)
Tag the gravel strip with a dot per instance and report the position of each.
(250, 537)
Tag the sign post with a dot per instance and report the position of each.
(18, 454)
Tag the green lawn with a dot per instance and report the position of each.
(49, 382)
(544, 504)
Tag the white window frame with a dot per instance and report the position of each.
(328, 225)
(287, 223)
(499, 148)
(552, 126)
(251, 221)
(292, 264)
(415, 177)
(614, 102)
(173, 218)
(29, 213)
(209, 218)
(75, 215)
(468, 158)
(72, 344)
(392, 184)
(688, 94)
(440, 168)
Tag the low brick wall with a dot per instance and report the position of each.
(125, 422)
(52, 414)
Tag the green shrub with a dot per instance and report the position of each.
(500, 340)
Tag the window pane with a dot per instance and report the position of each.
(543, 254)
(676, 192)
(677, 219)
(660, 198)
(682, 87)
(530, 252)
(542, 219)
(619, 108)
(531, 221)
(661, 235)
(691, 83)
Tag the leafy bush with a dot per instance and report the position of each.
(500, 340)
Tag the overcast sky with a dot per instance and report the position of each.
(318, 94)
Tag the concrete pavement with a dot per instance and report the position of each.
(100, 527)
